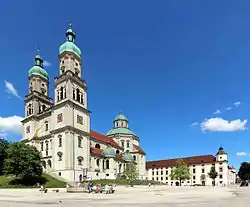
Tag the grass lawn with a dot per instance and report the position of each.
(13, 182)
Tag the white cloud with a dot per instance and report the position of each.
(220, 124)
(194, 124)
(11, 124)
(217, 112)
(242, 154)
(11, 89)
(46, 63)
(229, 108)
(236, 104)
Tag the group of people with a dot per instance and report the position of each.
(98, 188)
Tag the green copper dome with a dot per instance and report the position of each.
(121, 117)
(109, 152)
(37, 69)
(69, 45)
(120, 130)
(127, 157)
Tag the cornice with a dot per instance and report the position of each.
(71, 103)
(69, 75)
(39, 96)
(71, 129)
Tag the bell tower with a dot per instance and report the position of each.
(37, 100)
(71, 117)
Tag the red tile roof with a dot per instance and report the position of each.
(140, 150)
(188, 160)
(102, 138)
(96, 151)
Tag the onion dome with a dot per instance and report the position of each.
(127, 157)
(109, 152)
(69, 45)
(37, 69)
(221, 151)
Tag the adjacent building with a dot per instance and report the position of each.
(199, 166)
(60, 127)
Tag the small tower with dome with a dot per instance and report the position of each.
(221, 155)
(37, 101)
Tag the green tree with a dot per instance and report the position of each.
(244, 171)
(213, 174)
(131, 173)
(181, 171)
(3, 147)
(22, 160)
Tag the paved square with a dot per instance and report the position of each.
(126, 196)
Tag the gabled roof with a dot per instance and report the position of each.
(204, 159)
(139, 149)
(102, 138)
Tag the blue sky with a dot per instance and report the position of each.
(165, 64)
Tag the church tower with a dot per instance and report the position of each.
(71, 117)
(37, 100)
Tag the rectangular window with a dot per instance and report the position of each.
(166, 178)
(153, 172)
(193, 177)
(122, 144)
(161, 172)
(161, 178)
(41, 146)
(193, 170)
(79, 120)
(59, 118)
(166, 172)
(220, 169)
(47, 146)
(127, 144)
(157, 173)
(28, 129)
(221, 176)
(202, 170)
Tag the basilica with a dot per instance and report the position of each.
(60, 127)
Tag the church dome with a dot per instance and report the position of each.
(120, 131)
(127, 157)
(38, 68)
(69, 45)
(109, 152)
(121, 117)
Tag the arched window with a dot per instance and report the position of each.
(78, 94)
(107, 164)
(134, 158)
(49, 163)
(44, 164)
(122, 143)
(98, 162)
(97, 146)
(74, 94)
(59, 154)
(117, 152)
(61, 93)
(80, 160)
(103, 164)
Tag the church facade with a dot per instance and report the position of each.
(60, 128)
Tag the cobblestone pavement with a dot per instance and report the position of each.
(126, 196)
